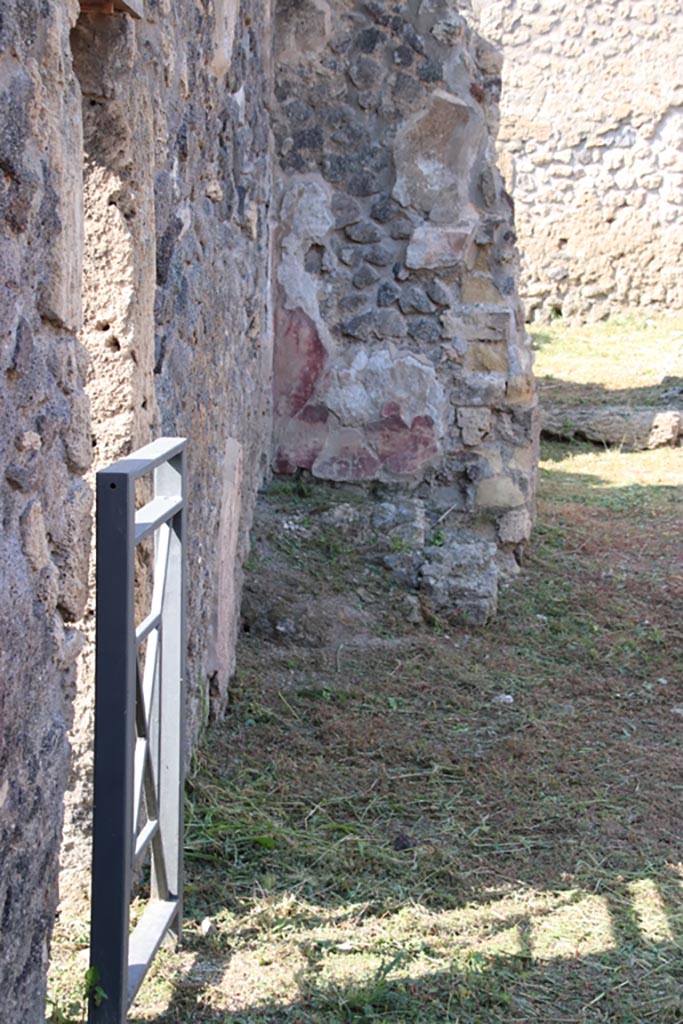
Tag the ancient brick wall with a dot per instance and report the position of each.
(400, 349)
(176, 292)
(591, 147)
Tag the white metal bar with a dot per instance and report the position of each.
(145, 837)
(146, 626)
(146, 939)
(154, 514)
(147, 458)
(170, 479)
(136, 8)
(150, 675)
(139, 775)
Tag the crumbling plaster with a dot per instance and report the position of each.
(401, 356)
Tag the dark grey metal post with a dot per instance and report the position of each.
(114, 743)
(139, 725)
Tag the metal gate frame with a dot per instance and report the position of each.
(139, 725)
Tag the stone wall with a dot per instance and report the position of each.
(591, 147)
(177, 305)
(400, 349)
(44, 451)
(138, 152)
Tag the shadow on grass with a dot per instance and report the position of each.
(556, 391)
(633, 982)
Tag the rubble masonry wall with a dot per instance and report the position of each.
(591, 145)
(401, 355)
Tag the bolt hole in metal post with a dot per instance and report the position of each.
(139, 719)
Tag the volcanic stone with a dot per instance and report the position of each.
(377, 325)
(387, 293)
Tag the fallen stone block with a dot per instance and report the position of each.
(636, 429)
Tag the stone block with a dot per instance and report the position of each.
(387, 293)
(225, 23)
(475, 425)
(375, 326)
(439, 248)
(480, 289)
(520, 389)
(71, 537)
(346, 210)
(424, 328)
(363, 231)
(380, 255)
(477, 324)
(414, 300)
(364, 277)
(524, 459)
(487, 357)
(77, 439)
(34, 536)
(434, 151)
(460, 577)
(499, 492)
(439, 293)
(514, 527)
(401, 229)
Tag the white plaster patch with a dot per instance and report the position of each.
(307, 220)
(360, 393)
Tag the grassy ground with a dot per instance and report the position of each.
(631, 360)
(433, 824)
